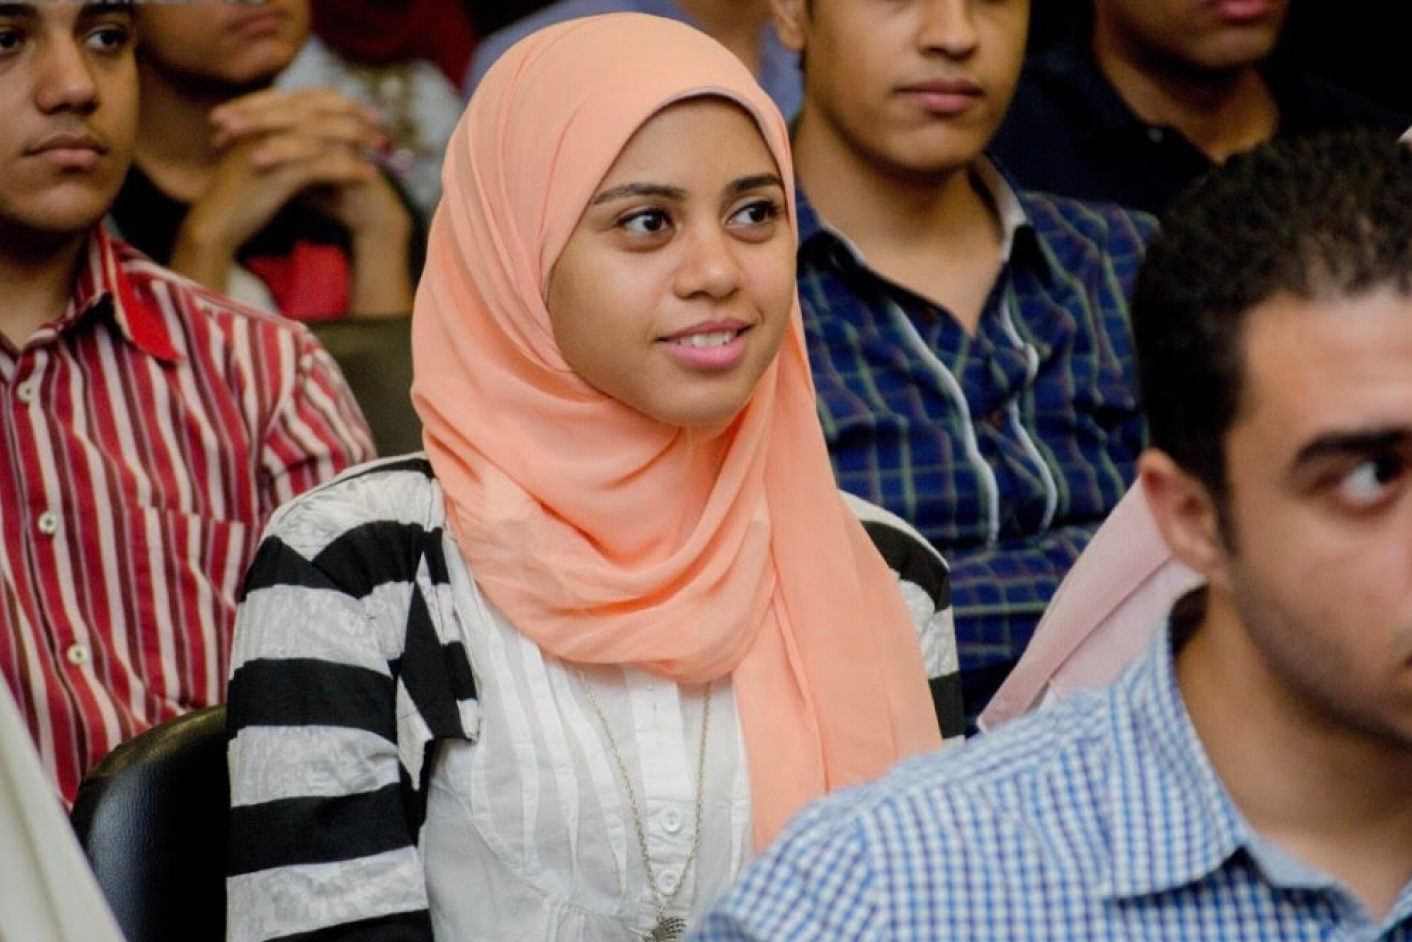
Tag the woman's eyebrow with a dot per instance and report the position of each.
(640, 189)
(745, 184)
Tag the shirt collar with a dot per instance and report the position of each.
(1174, 823)
(988, 176)
(104, 283)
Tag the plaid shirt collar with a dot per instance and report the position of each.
(1018, 234)
(1174, 823)
(104, 285)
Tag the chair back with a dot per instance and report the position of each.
(152, 819)
(375, 355)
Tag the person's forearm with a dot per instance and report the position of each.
(382, 281)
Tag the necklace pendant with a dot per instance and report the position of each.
(668, 929)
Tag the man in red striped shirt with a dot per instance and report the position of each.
(150, 427)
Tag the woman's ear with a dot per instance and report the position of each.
(1187, 515)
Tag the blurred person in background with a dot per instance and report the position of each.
(403, 57)
(274, 197)
(742, 26)
(1141, 97)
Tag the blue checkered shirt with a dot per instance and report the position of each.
(1097, 820)
(1006, 449)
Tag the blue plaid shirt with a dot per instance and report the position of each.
(1097, 820)
(1006, 449)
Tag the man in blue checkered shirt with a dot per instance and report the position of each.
(969, 340)
(1250, 778)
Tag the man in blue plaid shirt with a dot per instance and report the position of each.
(970, 340)
(1250, 779)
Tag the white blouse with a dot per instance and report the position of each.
(535, 815)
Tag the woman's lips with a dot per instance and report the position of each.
(708, 347)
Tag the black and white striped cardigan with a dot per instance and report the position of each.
(343, 629)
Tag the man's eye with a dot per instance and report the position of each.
(10, 39)
(109, 38)
(1369, 482)
(645, 222)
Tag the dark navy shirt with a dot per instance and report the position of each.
(1068, 131)
(1005, 448)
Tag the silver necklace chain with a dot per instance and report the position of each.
(665, 928)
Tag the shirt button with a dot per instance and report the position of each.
(671, 820)
(25, 391)
(667, 880)
(77, 655)
(1156, 135)
(48, 523)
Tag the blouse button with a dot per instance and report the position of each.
(667, 881)
(48, 523)
(25, 391)
(77, 655)
(671, 820)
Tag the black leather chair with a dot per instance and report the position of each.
(375, 355)
(152, 819)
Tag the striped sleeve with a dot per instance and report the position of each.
(317, 431)
(340, 684)
(925, 581)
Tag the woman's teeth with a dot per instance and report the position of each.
(717, 338)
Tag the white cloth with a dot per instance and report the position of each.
(47, 893)
(535, 814)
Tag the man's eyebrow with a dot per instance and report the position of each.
(105, 7)
(1352, 444)
(18, 10)
(640, 189)
(746, 184)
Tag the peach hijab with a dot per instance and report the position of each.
(606, 536)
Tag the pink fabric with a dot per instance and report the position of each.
(1113, 600)
(606, 536)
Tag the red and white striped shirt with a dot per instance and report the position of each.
(148, 435)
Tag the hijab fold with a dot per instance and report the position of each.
(606, 536)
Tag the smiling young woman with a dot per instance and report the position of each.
(562, 676)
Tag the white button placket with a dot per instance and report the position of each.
(667, 757)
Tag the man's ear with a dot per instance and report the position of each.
(790, 18)
(1186, 514)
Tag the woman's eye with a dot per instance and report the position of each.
(1368, 483)
(10, 39)
(756, 213)
(645, 222)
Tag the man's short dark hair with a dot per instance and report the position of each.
(1327, 216)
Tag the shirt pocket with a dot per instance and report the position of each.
(179, 575)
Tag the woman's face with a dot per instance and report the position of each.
(675, 287)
